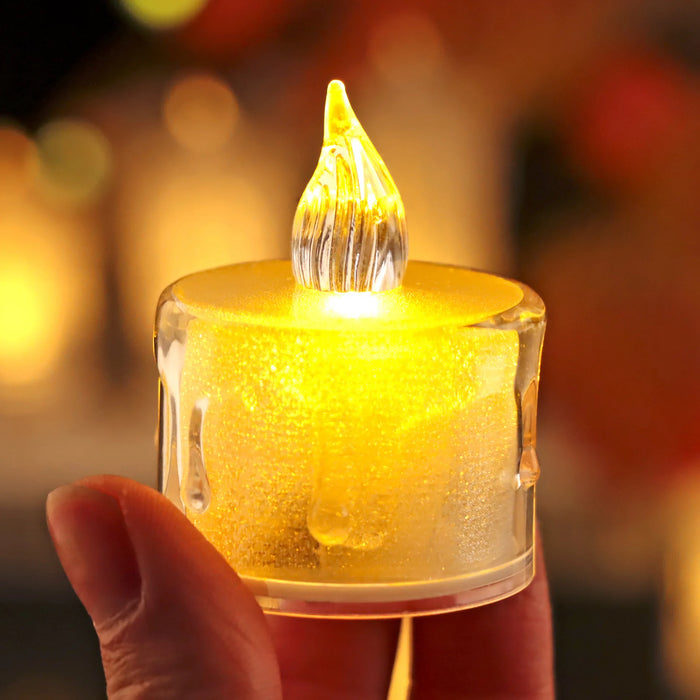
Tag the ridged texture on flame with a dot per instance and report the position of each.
(349, 231)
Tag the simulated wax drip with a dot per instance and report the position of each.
(196, 491)
(349, 232)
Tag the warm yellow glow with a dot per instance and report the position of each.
(347, 429)
(32, 330)
(200, 112)
(352, 201)
(163, 14)
(49, 294)
(24, 315)
(338, 441)
(681, 609)
(183, 220)
(265, 294)
(177, 211)
(75, 161)
(353, 304)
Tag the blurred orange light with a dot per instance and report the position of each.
(407, 46)
(74, 161)
(189, 221)
(37, 297)
(49, 294)
(23, 317)
(681, 611)
(18, 158)
(200, 113)
(163, 14)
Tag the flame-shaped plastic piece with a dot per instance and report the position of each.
(349, 231)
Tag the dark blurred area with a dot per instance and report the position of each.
(554, 142)
(42, 44)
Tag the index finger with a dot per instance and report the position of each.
(339, 659)
(498, 651)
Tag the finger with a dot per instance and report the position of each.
(339, 659)
(172, 617)
(502, 650)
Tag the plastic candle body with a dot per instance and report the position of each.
(362, 454)
(356, 437)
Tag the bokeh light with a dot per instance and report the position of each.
(224, 28)
(162, 14)
(25, 310)
(681, 619)
(48, 268)
(178, 216)
(18, 159)
(407, 46)
(423, 129)
(200, 112)
(632, 117)
(74, 161)
(45, 295)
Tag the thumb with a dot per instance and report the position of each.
(173, 619)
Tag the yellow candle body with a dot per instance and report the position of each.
(361, 448)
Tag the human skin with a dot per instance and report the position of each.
(174, 620)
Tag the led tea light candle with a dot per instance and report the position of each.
(356, 436)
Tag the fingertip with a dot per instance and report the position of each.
(197, 625)
(348, 658)
(170, 550)
(94, 548)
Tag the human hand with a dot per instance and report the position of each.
(175, 621)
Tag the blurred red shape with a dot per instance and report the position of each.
(631, 115)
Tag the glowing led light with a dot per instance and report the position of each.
(200, 112)
(363, 428)
(163, 14)
(353, 304)
(74, 161)
(349, 231)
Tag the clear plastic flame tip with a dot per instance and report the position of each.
(349, 232)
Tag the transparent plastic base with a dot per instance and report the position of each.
(394, 600)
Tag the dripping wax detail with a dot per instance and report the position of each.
(197, 492)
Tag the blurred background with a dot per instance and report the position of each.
(556, 142)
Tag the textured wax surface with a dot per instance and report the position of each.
(369, 440)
